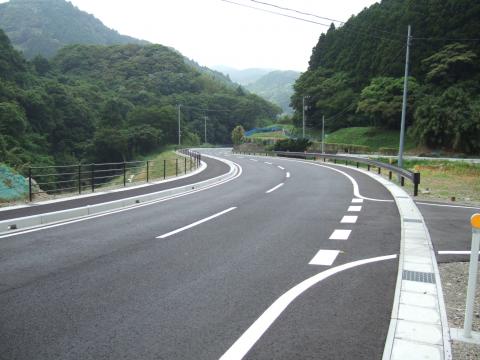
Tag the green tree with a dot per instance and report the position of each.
(238, 135)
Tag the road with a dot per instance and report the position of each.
(186, 278)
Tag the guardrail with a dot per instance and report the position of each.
(414, 177)
(88, 177)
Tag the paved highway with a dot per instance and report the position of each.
(283, 262)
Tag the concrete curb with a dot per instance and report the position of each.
(86, 211)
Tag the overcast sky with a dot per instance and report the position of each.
(213, 32)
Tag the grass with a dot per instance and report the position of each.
(372, 137)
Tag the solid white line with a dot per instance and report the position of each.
(274, 188)
(195, 223)
(354, 208)
(452, 206)
(281, 167)
(324, 257)
(132, 207)
(340, 235)
(349, 220)
(268, 163)
(357, 201)
(248, 339)
(288, 175)
(454, 252)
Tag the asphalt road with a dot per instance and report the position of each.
(186, 278)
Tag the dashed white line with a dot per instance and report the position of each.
(340, 235)
(268, 163)
(248, 339)
(195, 223)
(354, 208)
(349, 220)
(281, 167)
(253, 160)
(274, 188)
(324, 257)
(287, 175)
(357, 201)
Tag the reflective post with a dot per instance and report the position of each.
(472, 276)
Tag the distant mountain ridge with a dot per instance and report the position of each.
(244, 76)
(277, 87)
(42, 27)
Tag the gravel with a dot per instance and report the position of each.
(454, 283)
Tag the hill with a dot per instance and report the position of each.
(243, 77)
(94, 103)
(277, 87)
(355, 75)
(42, 27)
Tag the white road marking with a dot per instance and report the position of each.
(454, 252)
(132, 207)
(349, 220)
(357, 201)
(281, 167)
(268, 163)
(254, 160)
(354, 208)
(340, 235)
(195, 223)
(248, 339)
(287, 175)
(274, 188)
(324, 257)
(446, 205)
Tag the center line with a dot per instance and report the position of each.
(274, 188)
(288, 175)
(269, 163)
(195, 223)
(281, 167)
(324, 257)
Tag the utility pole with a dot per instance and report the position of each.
(205, 129)
(303, 117)
(323, 133)
(179, 129)
(404, 104)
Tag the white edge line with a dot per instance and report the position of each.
(274, 188)
(128, 208)
(248, 339)
(446, 205)
(196, 223)
(454, 252)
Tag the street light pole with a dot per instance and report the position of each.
(205, 138)
(323, 133)
(303, 117)
(404, 104)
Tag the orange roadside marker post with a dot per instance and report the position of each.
(472, 275)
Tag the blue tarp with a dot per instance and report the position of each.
(12, 185)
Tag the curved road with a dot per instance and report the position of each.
(186, 278)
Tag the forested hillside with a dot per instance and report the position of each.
(110, 103)
(355, 75)
(277, 87)
(42, 27)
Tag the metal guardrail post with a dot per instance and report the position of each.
(390, 175)
(148, 169)
(368, 167)
(402, 181)
(92, 178)
(185, 165)
(416, 182)
(379, 170)
(164, 169)
(124, 174)
(79, 178)
(472, 276)
(176, 167)
(30, 197)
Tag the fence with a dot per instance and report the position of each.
(81, 178)
(414, 177)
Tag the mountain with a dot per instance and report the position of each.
(243, 77)
(277, 87)
(94, 103)
(355, 74)
(42, 27)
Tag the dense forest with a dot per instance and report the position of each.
(42, 27)
(355, 75)
(96, 103)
